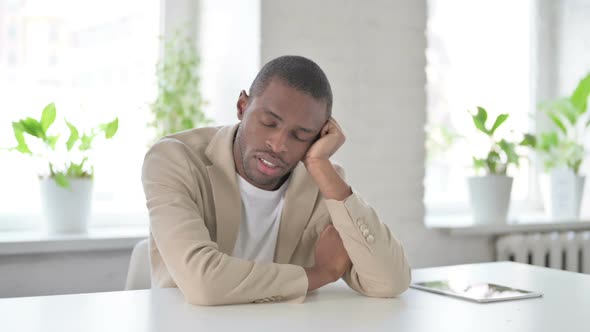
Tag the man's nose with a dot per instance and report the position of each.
(278, 142)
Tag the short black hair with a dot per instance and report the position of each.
(297, 72)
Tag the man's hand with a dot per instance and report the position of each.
(317, 162)
(331, 260)
(331, 138)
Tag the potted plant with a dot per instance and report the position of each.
(563, 151)
(66, 184)
(490, 193)
(179, 103)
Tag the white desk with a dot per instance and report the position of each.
(565, 307)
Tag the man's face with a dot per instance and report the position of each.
(277, 128)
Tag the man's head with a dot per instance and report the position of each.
(289, 102)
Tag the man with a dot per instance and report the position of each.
(256, 212)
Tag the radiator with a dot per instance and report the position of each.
(568, 251)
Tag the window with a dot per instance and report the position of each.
(96, 60)
(478, 54)
(223, 34)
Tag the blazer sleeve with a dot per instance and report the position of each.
(379, 264)
(205, 275)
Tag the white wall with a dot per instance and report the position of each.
(373, 54)
(63, 273)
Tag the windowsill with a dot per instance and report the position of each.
(461, 225)
(96, 239)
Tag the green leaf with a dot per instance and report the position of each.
(77, 170)
(569, 111)
(547, 141)
(555, 118)
(86, 142)
(549, 164)
(480, 120)
(22, 146)
(509, 149)
(33, 127)
(529, 140)
(83, 161)
(47, 117)
(61, 180)
(478, 163)
(74, 135)
(492, 161)
(51, 140)
(563, 108)
(575, 166)
(187, 123)
(499, 120)
(73, 169)
(580, 95)
(110, 129)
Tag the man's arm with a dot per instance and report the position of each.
(205, 275)
(379, 265)
(331, 260)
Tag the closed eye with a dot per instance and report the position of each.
(298, 138)
(301, 139)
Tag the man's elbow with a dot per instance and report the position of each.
(401, 282)
(202, 295)
(398, 282)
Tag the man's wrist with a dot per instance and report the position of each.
(328, 180)
(315, 162)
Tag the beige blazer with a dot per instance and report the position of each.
(194, 205)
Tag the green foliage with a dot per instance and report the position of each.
(47, 117)
(19, 129)
(74, 135)
(529, 141)
(580, 95)
(39, 130)
(502, 153)
(565, 146)
(179, 104)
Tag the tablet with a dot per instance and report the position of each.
(480, 292)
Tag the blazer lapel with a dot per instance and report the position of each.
(226, 194)
(299, 202)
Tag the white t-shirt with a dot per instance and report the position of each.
(261, 218)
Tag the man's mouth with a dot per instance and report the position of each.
(268, 167)
(268, 163)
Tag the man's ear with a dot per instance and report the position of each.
(242, 104)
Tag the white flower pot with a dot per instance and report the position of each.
(66, 209)
(563, 192)
(490, 198)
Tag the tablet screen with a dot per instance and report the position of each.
(479, 292)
